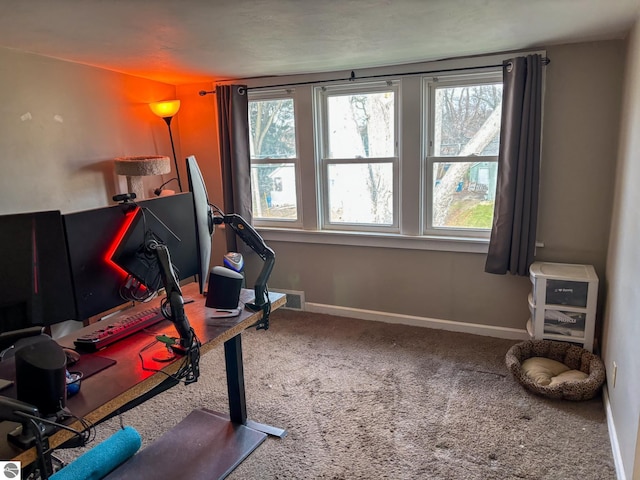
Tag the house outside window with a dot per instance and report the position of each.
(463, 132)
(274, 158)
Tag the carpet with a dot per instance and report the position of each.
(370, 400)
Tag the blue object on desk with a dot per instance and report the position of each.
(73, 383)
(103, 458)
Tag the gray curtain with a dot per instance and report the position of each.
(513, 235)
(233, 132)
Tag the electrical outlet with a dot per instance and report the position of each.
(614, 374)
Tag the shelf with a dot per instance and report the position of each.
(563, 338)
(565, 308)
(563, 295)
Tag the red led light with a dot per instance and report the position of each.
(34, 258)
(117, 239)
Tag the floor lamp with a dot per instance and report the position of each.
(167, 110)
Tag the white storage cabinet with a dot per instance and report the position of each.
(563, 303)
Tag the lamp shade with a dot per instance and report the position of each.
(165, 109)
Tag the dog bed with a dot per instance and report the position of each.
(556, 370)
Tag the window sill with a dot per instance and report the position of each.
(359, 239)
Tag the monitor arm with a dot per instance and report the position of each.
(251, 238)
(174, 294)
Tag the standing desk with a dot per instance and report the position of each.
(126, 383)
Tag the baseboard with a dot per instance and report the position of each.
(613, 436)
(474, 328)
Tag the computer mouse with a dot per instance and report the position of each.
(72, 356)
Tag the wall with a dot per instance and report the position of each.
(63, 123)
(622, 314)
(581, 125)
(581, 119)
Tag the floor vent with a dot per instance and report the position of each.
(295, 299)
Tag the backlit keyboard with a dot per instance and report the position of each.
(117, 331)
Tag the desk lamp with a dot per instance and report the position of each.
(167, 110)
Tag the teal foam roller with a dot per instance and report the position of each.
(103, 458)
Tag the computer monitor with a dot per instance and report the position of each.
(204, 218)
(93, 237)
(35, 277)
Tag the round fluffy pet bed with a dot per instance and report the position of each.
(556, 369)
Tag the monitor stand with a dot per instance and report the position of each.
(223, 312)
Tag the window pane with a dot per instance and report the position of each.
(361, 193)
(361, 125)
(273, 188)
(272, 132)
(467, 120)
(464, 194)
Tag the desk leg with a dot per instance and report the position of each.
(235, 380)
(236, 392)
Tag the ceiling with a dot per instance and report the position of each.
(190, 41)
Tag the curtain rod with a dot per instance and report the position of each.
(352, 77)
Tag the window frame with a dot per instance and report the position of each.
(430, 84)
(413, 121)
(323, 162)
(280, 94)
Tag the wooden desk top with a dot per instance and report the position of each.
(109, 390)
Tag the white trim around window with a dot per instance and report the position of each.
(333, 159)
(285, 162)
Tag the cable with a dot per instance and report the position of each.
(89, 431)
(132, 290)
(80, 434)
(189, 370)
(85, 436)
(158, 190)
(44, 471)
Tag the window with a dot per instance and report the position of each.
(463, 134)
(406, 161)
(357, 157)
(274, 158)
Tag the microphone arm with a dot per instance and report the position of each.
(253, 239)
(174, 294)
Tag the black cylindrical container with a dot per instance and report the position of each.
(41, 376)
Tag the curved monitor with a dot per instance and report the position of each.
(204, 218)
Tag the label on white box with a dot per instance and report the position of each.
(564, 323)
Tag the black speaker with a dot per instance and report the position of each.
(224, 288)
(41, 376)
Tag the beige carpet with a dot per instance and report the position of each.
(369, 400)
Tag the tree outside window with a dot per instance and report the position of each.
(359, 156)
(466, 136)
(272, 143)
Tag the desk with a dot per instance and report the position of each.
(119, 386)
